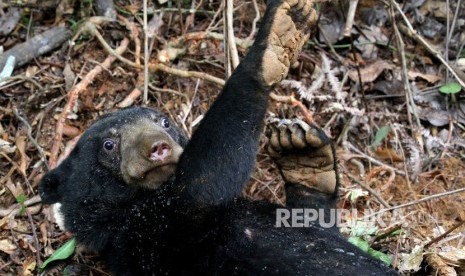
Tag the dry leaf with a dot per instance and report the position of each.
(427, 77)
(438, 266)
(28, 267)
(371, 72)
(7, 246)
(20, 142)
(130, 99)
(411, 262)
(455, 257)
(388, 154)
(15, 189)
(134, 8)
(437, 8)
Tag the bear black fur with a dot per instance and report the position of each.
(195, 224)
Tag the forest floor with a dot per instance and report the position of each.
(388, 92)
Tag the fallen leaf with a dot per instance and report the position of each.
(133, 9)
(411, 262)
(371, 72)
(427, 77)
(438, 266)
(454, 256)
(388, 154)
(20, 142)
(28, 266)
(436, 8)
(435, 117)
(7, 246)
(62, 253)
(15, 189)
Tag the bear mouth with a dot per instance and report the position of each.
(155, 176)
(161, 168)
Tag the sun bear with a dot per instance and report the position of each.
(152, 203)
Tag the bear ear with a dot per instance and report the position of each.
(49, 187)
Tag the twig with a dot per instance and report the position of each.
(373, 160)
(243, 43)
(73, 96)
(294, 102)
(255, 20)
(176, 46)
(130, 99)
(428, 198)
(217, 13)
(370, 190)
(408, 95)
(411, 107)
(440, 237)
(190, 103)
(93, 30)
(31, 138)
(388, 231)
(186, 74)
(134, 36)
(227, 52)
(449, 34)
(350, 17)
(408, 29)
(230, 33)
(34, 235)
(146, 57)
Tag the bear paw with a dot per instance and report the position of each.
(289, 29)
(304, 154)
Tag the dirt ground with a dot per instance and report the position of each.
(391, 99)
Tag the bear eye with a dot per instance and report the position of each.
(109, 145)
(165, 123)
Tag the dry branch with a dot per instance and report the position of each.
(36, 46)
(73, 96)
(185, 74)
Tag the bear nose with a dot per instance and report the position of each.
(160, 151)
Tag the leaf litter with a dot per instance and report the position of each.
(354, 87)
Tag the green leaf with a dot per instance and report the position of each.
(20, 199)
(450, 88)
(365, 247)
(360, 243)
(62, 253)
(380, 256)
(380, 135)
(396, 233)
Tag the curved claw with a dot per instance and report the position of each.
(297, 136)
(304, 154)
(285, 137)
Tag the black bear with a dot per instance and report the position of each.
(119, 196)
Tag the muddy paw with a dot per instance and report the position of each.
(304, 154)
(289, 29)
